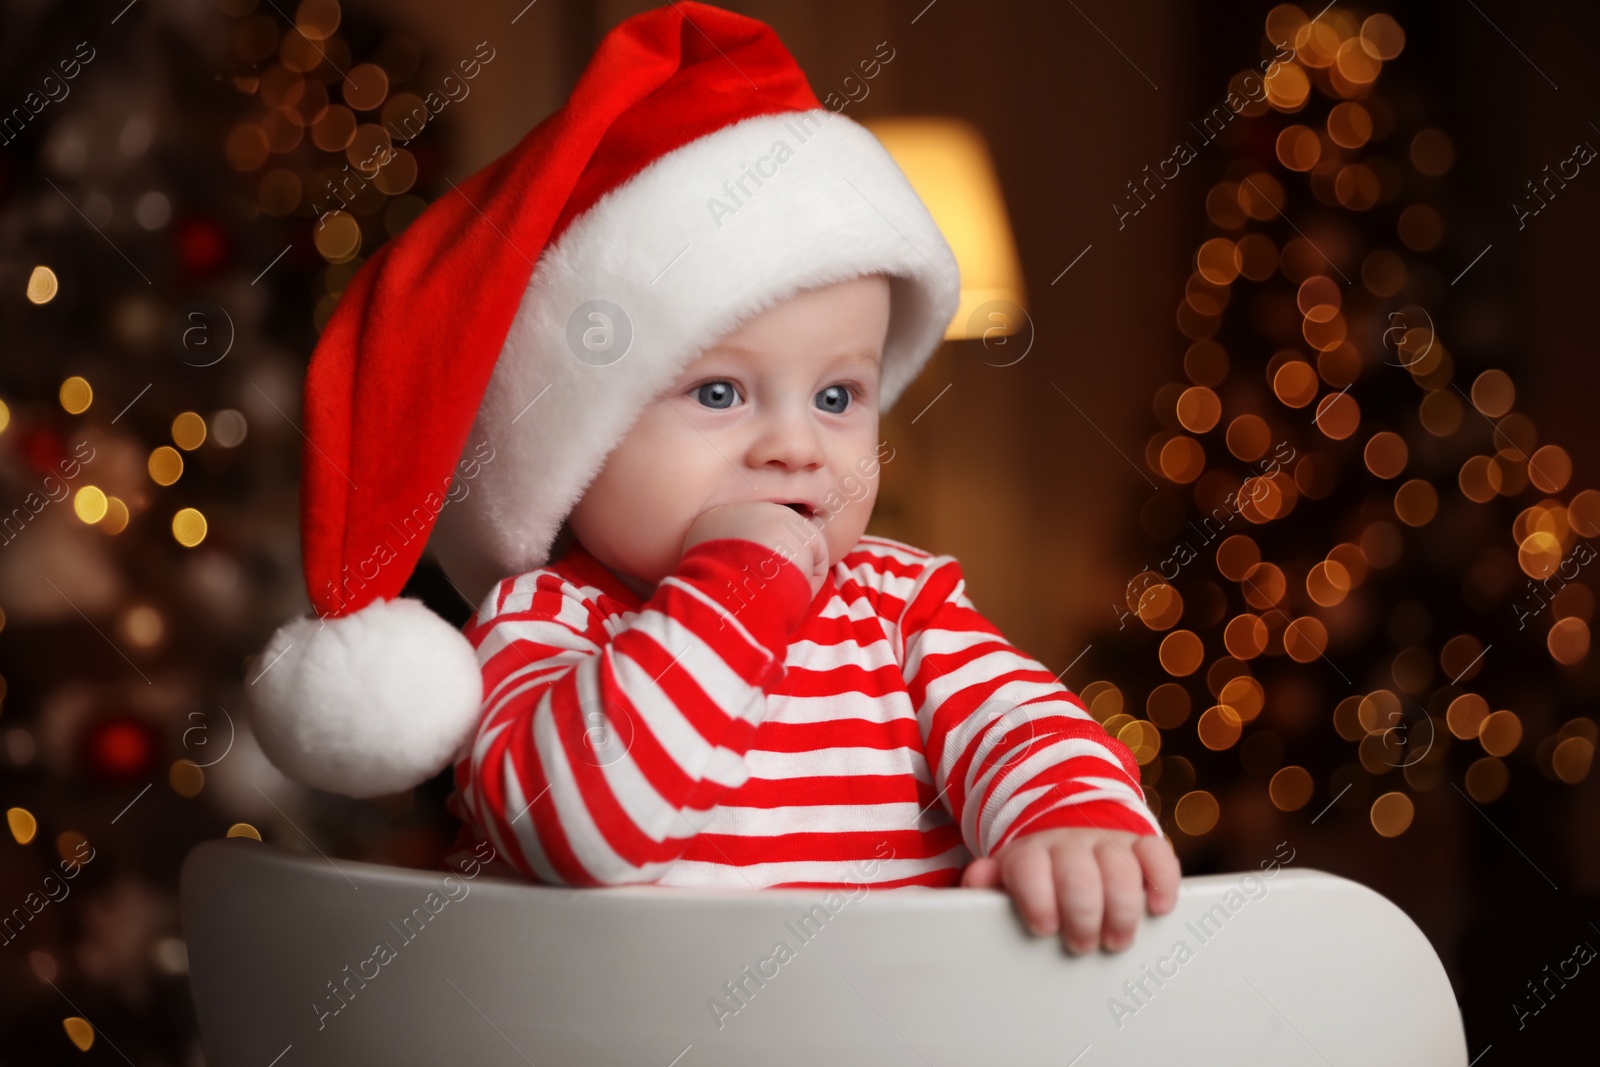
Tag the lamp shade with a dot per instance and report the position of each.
(948, 164)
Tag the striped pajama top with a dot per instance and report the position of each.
(735, 731)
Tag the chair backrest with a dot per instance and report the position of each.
(302, 961)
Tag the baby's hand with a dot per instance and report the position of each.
(1084, 882)
(766, 524)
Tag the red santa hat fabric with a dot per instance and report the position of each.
(691, 180)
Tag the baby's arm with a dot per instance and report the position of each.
(1045, 798)
(599, 755)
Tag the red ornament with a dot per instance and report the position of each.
(202, 245)
(43, 449)
(120, 749)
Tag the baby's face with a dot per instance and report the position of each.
(784, 408)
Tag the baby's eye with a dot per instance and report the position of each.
(718, 395)
(834, 399)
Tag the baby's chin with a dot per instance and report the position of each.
(644, 589)
(641, 579)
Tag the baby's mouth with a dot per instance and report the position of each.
(804, 510)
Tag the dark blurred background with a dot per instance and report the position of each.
(1356, 305)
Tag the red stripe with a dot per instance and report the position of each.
(838, 733)
(744, 851)
(805, 792)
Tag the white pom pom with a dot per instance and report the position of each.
(371, 703)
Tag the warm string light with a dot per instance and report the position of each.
(76, 395)
(189, 527)
(188, 431)
(324, 143)
(1339, 56)
(107, 443)
(93, 506)
(42, 285)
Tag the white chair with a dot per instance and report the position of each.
(1300, 968)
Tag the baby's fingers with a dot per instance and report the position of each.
(1161, 871)
(981, 873)
(1080, 894)
(1124, 894)
(1030, 881)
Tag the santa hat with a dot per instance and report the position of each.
(482, 364)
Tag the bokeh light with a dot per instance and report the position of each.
(1218, 727)
(1392, 814)
(189, 527)
(1295, 383)
(76, 395)
(1500, 733)
(1142, 739)
(42, 285)
(1486, 779)
(1196, 812)
(1305, 638)
(1181, 653)
(1432, 152)
(1245, 636)
(89, 503)
(1198, 409)
(1493, 393)
(186, 778)
(1291, 788)
(1416, 502)
(1568, 640)
(116, 517)
(1337, 416)
(165, 465)
(189, 431)
(1328, 582)
(1572, 759)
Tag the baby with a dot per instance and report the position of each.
(624, 382)
(723, 682)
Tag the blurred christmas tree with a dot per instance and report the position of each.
(186, 189)
(1365, 570)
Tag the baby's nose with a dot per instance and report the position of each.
(786, 437)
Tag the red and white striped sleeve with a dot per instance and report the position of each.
(1013, 749)
(603, 745)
